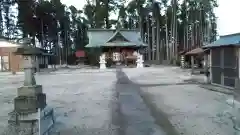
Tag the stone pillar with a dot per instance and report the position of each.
(29, 79)
(102, 61)
(30, 107)
(192, 64)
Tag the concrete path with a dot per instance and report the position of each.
(133, 116)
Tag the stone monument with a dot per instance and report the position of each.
(102, 61)
(31, 115)
(139, 61)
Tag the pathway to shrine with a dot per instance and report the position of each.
(129, 101)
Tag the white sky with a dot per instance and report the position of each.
(227, 13)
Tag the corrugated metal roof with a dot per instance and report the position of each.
(226, 40)
(100, 37)
(195, 51)
(133, 36)
(97, 38)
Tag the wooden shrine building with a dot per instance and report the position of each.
(224, 60)
(119, 46)
(9, 62)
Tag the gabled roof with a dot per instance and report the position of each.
(103, 37)
(117, 34)
(226, 40)
(98, 37)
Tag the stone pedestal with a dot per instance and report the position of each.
(102, 65)
(139, 61)
(102, 62)
(192, 64)
(30, 114)
(182, 61)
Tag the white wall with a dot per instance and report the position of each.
(8, 44)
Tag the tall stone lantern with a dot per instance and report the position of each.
(30, 108)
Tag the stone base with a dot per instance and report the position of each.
(25, 104)
(29, 90)
(139, 65)
(207, 80)
(103, 66)
(236, 119)
(28, 124)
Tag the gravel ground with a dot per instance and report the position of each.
(189, 109)
(82, 100)
(149, 101)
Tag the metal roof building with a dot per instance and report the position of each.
(226, 40)
(224, 60)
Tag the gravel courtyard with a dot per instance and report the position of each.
(149, 101)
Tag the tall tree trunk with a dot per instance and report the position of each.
(201, 27)
(153, 38)
(158, 40)
(97, 9)
(192, 36)
(107, 14)
(174, 28)
(6, 6)
(149, 38)
(140, 27)
(184, 36)
(167, 39)
(1, 19)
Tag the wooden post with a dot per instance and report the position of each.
(236, 104)
(153, 38)
(206, 71)
(158, 41)
(148, 33)
(192, 64)
(167, 47)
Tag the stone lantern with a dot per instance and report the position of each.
(30, 108)
(139, 60)
(102, 61)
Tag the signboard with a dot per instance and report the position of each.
(46, 120)
(116, 56)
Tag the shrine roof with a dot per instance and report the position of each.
(107, 38)
(226, 40)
